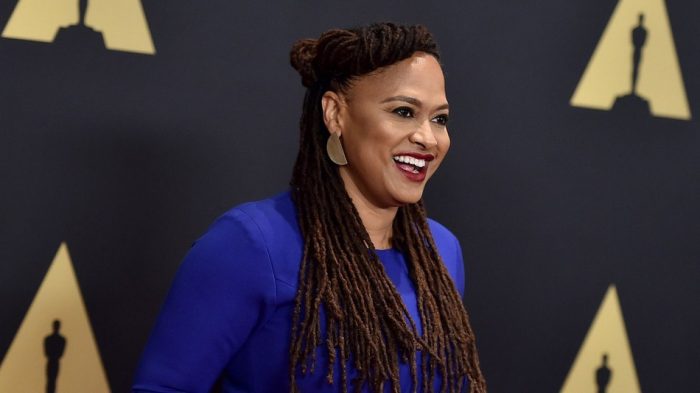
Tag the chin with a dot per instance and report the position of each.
(406, 197)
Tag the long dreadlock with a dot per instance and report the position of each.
(366, 319)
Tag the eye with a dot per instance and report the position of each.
(404, 111)
(441, 119)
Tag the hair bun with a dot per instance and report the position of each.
(302, 58)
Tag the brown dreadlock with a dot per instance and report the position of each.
(366, 319)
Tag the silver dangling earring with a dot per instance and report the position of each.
(335, 150)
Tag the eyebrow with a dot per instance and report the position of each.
(413, 101)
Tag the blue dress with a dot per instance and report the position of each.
(228, 314)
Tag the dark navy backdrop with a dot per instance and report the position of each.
(128, 157)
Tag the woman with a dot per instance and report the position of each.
(341, 284)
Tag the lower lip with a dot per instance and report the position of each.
(415, 177)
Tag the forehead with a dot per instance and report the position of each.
(419, 76)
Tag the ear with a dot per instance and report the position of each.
(331, 104)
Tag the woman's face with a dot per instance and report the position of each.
(393, 129)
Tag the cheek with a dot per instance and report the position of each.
(443, 142)
(377, 139)
(443, 145)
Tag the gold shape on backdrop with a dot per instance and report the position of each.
(604, 363)
(122, 23)
(54, 349)
(635, 64)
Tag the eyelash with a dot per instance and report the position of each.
(443, 119)
(401, 111)
(407, 112)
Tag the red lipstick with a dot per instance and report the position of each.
(413, 165)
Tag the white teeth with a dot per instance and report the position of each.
(418, 162)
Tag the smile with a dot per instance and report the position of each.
(416, 162)
(413, 166)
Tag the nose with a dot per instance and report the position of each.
(424, 136)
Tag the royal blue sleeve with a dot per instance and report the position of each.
(222, 292)
(451, 253)
(460, 276)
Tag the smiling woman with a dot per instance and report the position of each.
(341, 283)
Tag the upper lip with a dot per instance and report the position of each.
(426, 157)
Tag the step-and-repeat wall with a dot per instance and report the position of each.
(573, 181)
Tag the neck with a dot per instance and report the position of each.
(378, 221)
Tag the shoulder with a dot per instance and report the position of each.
(244, 230)
(261, 221)
(274, 210)
(278, 207)
(235, 257)
(446, 241)
(450, 251)
(267, 227)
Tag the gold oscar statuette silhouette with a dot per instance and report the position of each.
(603, 375)
(632, 103)
(80, 33)
(54, 346)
